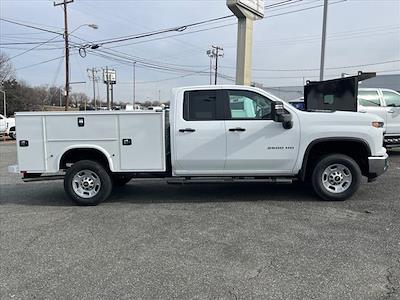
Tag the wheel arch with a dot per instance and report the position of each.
(339, 145)
(85, 152)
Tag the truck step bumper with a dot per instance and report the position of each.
(377, 166)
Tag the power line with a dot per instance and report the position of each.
(148, 34)
(28, 43)
(30, 26)
(40, 63)
(334, 35)
(331, 68)
(176, 28)
(26, 51)
(186, 26)
(219, 26)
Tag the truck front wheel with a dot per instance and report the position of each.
(336, 177)
(87, 183)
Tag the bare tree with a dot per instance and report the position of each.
(79, 99)
(6, 68)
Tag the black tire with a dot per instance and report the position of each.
(326, 182)
(121, 180)
(12, 135)
(101, 176)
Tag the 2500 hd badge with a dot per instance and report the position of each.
(280, 148)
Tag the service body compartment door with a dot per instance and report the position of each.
(142, 142)
(30, 144)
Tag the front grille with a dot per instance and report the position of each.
(392, 140)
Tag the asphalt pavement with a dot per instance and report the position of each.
(152, 240)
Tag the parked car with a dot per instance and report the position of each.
(7, 127)
(386, 104)
(214, 134)
(298, 103)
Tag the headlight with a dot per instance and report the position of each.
(378, 124)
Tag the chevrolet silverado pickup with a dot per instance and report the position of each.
(211, 134)
(386, 104)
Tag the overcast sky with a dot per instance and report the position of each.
(360, 32)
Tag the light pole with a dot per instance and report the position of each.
(134, 85)
(4, 103)
(66, 38)
(93, 26)
(323, 42)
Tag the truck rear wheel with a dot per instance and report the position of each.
(336, 177)
(87, 183)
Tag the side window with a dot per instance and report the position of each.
(391, 99)
(200, 105)
(248, 105)
(368, 98)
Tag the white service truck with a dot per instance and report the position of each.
(7, 127)
(386, 104)
(212, 134)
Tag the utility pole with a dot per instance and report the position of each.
(321, 70)
(211, 56)
(112, 95)
(210, 71)
(134, 85)
(65, 3)
(92, 73)
(216, 53)
(109, 78)
(4, 103)
(108, 88)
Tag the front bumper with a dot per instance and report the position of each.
(377, 165)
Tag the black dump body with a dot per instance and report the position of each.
(336, 94)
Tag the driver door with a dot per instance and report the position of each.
(392, 103)
(256, 145)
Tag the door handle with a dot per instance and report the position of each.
(237, 129)
(126, 142)
(187, 130)
(391, 111)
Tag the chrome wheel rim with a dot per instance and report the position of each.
(86, 184)
(337, 178)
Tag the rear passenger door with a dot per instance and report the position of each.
(199, 137)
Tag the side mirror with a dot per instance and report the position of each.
(280, 115)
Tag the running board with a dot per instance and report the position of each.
(183, 180)
(43, 178)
